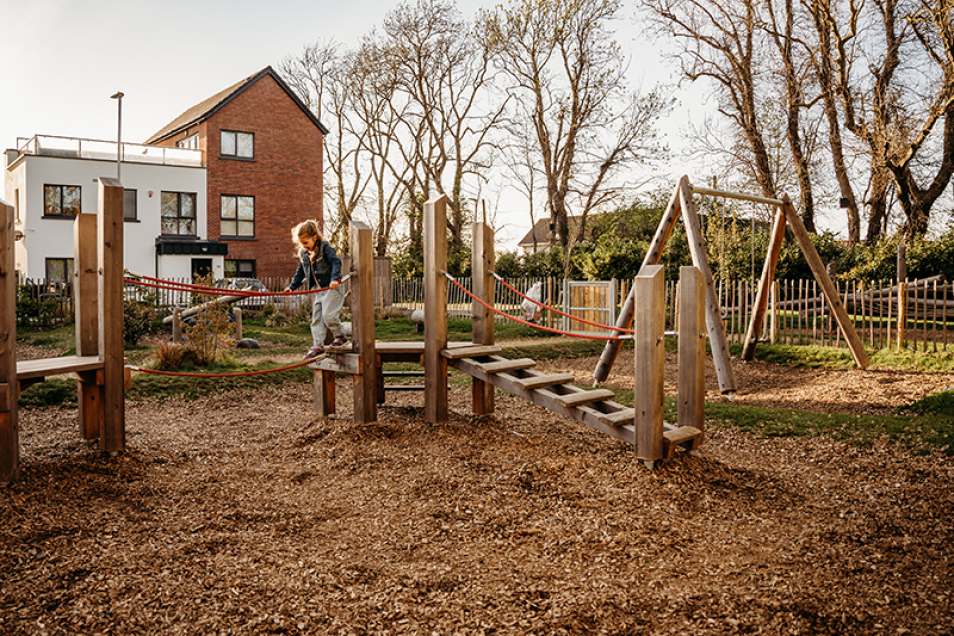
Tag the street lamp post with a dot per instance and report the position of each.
(118, 96)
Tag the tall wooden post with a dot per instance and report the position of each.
(86, 312)
(765, 286)
(692, 349)
(821, 275)
(649, 294)
(9, 435)
(721, 359)
(435, 309)
(484, 332)
(110, 251)
(362, 323)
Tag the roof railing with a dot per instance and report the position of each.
(76, 148)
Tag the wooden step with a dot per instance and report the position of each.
(678, 436)
(624, 416)
(507, 365)
(474, 351)
(582, 397)
(540, 381)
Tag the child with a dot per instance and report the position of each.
(319, 267)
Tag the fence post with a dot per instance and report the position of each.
(902, 312)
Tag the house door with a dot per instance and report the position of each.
(201, 267)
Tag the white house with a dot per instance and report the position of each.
(49, 180)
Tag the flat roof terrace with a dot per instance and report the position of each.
(75, 148)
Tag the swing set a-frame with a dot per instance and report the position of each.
(681, 203)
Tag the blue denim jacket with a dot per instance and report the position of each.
(319, 273)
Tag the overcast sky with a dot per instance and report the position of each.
(64, 58)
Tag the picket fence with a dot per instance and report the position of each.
(916, 314)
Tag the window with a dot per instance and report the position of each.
(237, 144)
(178, 213)
(61, 200)
(59, 269)
(16, 204)
(238, 215)
(239, 269)
(129, 206)
(190, 143)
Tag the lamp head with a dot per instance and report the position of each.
(118, 95)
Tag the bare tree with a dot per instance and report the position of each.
(567, 76)
(320, 78)
(904, 91)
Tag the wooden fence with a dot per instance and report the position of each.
(797, 313)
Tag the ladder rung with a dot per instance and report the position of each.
(540, 381)
(624, 416)
(681, 435)
(470, 352)
(506, 365)
(582, 397)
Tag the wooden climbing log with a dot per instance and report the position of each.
(90, 388)
(110, 228)
(692, 349)
(362, 323)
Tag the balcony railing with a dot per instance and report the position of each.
(72, 147)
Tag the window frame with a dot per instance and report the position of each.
(235, 141)
(69, 266)
(179, 218)
(61, 187)
(135, 205)
(237, 273)
(236, 220)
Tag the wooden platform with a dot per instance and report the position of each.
(33, 371)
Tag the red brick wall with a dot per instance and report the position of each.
(285, 177)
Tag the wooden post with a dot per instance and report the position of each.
(692, 350)
(483, 332)
(110, 251)
(323, 385)
(625, 319)
(902, 312)
(9, 434)
(818, 269)
(362, 323)
(435, 309)
(237, 312)
(765, 286)
(697, 247)
(86, 311)
(177, 325)
(650, 351)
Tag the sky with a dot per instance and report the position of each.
(65, 58)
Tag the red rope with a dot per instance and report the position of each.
(571, 317)
(237, 374)
(213, 291)
(524, 322)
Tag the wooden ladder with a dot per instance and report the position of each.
(594, 408)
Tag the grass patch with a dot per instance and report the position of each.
(52, 392)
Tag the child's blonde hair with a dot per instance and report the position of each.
(305, 229)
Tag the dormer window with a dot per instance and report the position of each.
(240, 145)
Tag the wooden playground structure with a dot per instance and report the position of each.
(99, 363)
(642, 426)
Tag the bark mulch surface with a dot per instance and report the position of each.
(243, 513)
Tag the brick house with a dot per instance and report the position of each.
(263, 151)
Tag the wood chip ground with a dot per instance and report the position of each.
(243, 513)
